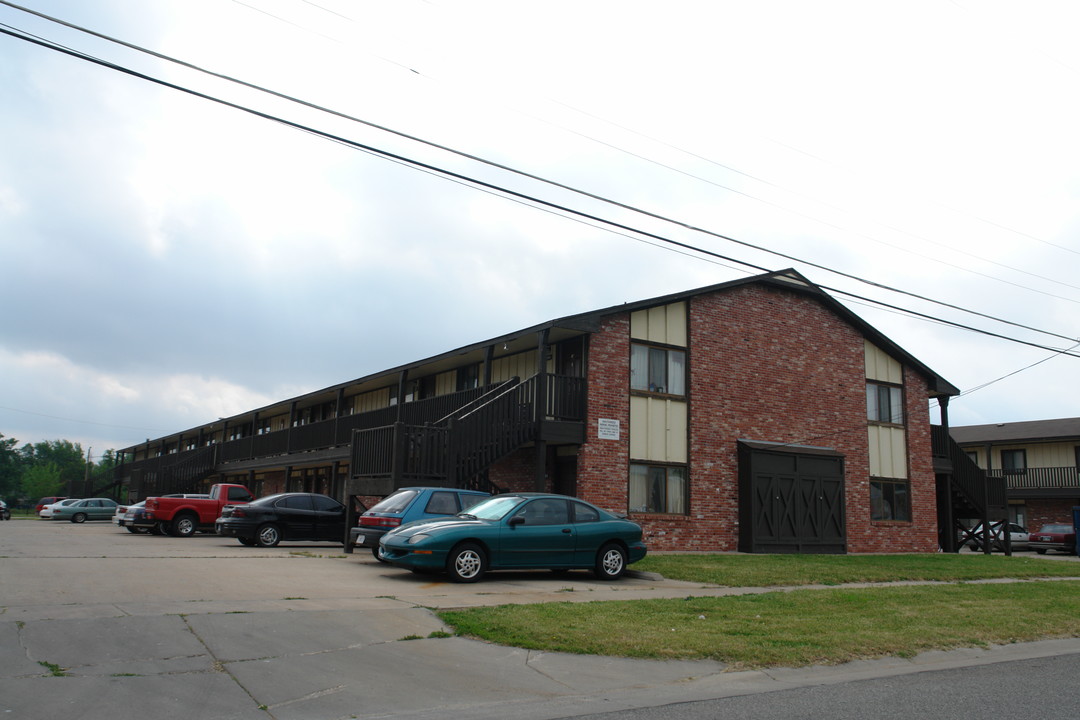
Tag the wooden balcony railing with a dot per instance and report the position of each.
(565, 401)
(1047, 478)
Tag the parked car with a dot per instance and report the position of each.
(1018, 536)
(287, 516)
(514, 532)
(406, 505)
(47, 501)
(5, 513)
(183, 516)
(124, 512)
(1054, 537)
(83, 510)
(46, 512)
(135, 518)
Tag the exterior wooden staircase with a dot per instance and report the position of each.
(966, 496)
(457, 449)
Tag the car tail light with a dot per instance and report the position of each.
(375, 521)
(234, 512)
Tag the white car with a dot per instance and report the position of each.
(5, 514)
(1018, 536)
(47, 511)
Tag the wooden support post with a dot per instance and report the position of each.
(540, 477)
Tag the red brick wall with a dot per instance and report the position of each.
(603, 465)
(1045, 512)
(516, 473)
(765, 364)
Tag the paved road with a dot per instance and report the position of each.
(1039, 688)
(205, 628)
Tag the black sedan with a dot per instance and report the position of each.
(288, 516)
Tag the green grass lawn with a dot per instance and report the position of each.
(786, 570)
(802, 627)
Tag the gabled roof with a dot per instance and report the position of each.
(1029, 431)
(794, 281)
(583, 323)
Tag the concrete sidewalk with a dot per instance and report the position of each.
(204, 628)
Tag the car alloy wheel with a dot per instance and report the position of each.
(610, 562)
(466, 563)
(268, 536)
(184, 526)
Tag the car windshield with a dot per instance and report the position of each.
(494, 508)
(395, 503)
(1056, 529)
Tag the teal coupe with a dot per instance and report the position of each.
(517, 531)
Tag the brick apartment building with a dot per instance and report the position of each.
(1039, 461)
(757, 415)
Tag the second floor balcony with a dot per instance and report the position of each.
(1041, 482)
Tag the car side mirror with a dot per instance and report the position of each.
(516, 520)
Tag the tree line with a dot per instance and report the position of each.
(47, 468)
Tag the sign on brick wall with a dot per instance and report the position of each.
(607, 429)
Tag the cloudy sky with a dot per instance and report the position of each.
(166, 260)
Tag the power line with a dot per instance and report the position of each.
(82, 422)
(751, 196)
(540, 202)
(1014, 372)
(530, 176)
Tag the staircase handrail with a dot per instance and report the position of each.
(472, 405)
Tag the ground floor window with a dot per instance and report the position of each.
(658, 489)
(890, 500)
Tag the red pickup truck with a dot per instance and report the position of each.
(182, 517)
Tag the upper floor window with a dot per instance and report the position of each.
(1014, 460)
(657, 370)
(884, 404)
(468, 377)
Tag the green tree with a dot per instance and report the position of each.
(101, 473)
(11, 468)
(42, 480)
(64, 454)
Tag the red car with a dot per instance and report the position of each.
(1054, 537)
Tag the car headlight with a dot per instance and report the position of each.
(418, 537)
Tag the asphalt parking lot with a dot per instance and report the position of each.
(96, 622)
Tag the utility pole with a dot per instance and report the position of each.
(86, 477)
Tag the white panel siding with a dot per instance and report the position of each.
(1048, 455)
(658, 429)
(446, 383)
(665, 324)
(374, 400)
(522, 365)
(888, 452)
(880, 366)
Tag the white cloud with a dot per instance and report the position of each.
(172, 261)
